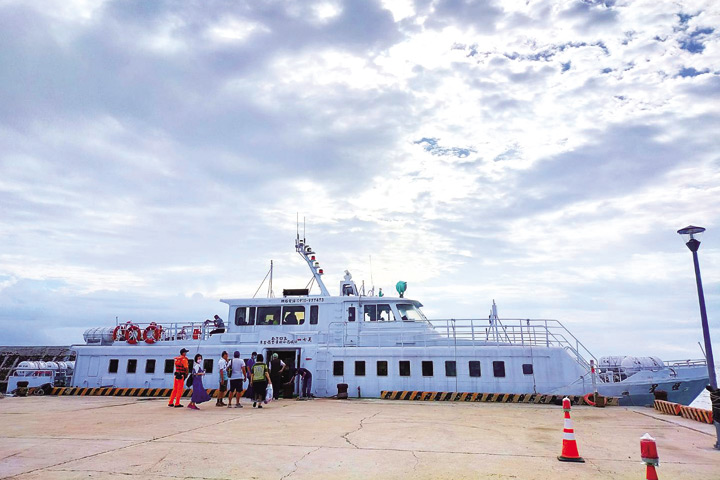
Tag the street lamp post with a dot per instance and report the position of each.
(690, 234)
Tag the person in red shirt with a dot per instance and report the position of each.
(181, 372)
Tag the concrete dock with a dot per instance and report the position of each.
(129, 438)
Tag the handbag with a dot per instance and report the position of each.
(189, 381)
(229, 369)
(269, 394)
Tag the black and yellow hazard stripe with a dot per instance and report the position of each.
(484, 397)
(667, 407)
(123, 392)
(697, 414)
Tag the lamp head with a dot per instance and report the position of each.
(691, 235)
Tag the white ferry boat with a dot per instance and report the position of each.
(375, 343)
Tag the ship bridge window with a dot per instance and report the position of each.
(113, 366)
(169, 365)
(268, 315)
(338, 368)
(474, 367)
(427, 368)
(375, 313)
(409, 313)
(132, 365)
(313, 315)
(382, 370)
(242, 317)
(404, 368)
(385, 314)
(499, 369)
(150, 365)
(359, 368)
(450, 368)
(293, 315)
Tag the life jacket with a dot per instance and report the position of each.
(181, 365)
(258, 372)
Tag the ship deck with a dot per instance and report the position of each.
(129, 438)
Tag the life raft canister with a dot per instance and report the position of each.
(152, 333)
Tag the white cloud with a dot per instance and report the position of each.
(540, 154)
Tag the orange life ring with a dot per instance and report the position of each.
(587, 399)
(119, 333)
(134, 334)
(152, 333)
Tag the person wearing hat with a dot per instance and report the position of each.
(277, 367)
(181, 372)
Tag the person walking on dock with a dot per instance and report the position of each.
(277, 367)
(223, 383)
(237, 377)
(181, 371)
(260, 379)
(199, 394)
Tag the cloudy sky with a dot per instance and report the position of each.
(154, 156)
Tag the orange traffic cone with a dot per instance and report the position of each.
(650, 473)
(569, 445)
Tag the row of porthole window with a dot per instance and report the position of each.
(131, 366)
(427, 367)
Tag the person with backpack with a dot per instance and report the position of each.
(181, 371)
(237, 374)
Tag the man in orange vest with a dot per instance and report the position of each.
(181, 372)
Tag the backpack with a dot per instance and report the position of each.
(229, 369)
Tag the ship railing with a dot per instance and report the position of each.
(686, 363)
(180, 330)
(522, 332)
(474, 332)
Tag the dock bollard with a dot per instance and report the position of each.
(569, 445)
(649, 455)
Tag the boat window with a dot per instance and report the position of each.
(450, 368)
(150, 365)
(404, 368)
(474, 367)
(268, 315)
(113, 367)
(241, 317)
(313, 314)
(370, 314)
(169, 365)
(527, 368)
(208, 365)
(251, 316)
(499, 369)
(338, 368)
(132, 365)
(385, 314)
(427, 368)
(293, 315)
(359, 368)
(409, 313)
(382, 370)
(351, 314)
